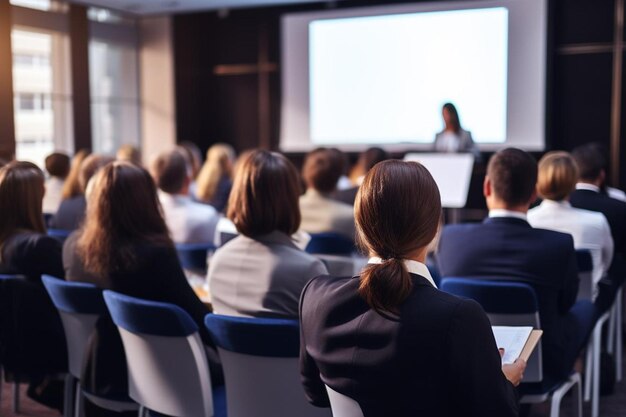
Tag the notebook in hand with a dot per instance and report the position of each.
(517, 341)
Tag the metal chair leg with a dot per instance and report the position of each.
(16, 398)
(79, 407)
(68, 396)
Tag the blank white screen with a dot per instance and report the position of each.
(356, 77)
(383, 79)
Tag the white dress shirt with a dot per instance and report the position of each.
(587, 186)
(508, 213)
(589, 229)
(53, 196)
(187, 220)
(412, 266)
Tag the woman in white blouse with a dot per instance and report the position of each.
(557, 178)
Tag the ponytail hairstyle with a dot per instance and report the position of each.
(397, 212)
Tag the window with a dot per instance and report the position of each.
(114, 85)
(41, 93)
(47, 5)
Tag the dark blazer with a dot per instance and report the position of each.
(220, 199)
(346, 196)
(70, 214)
(156, 276)
(437, 358)
(509, 249)
(614, 211)
(32, 255)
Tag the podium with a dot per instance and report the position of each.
(452, 173)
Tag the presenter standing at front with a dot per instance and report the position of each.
(453, 138)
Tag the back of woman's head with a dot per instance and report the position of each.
(557, 177)
(129, 153)
(265, 195)
(367, 160)
(219, 163)
(122, 211)
(397, 212)
(72, 187)
(21, 196)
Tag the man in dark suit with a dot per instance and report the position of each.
(589, 195)
(506, 248)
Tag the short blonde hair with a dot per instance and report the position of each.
(558, 174)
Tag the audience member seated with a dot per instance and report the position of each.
(187, 220)
(129, 153)
(344, 182)
(388, 338)
(25, 248)
(366, 161)
(506, 248)
(71, 187)
(194, 159)
(558, 174)
(215, 178)
(58, 167)
(321, 213)
(71, 213)
(261, 272)
(124, 246)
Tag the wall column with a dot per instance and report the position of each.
(7, 121)
(79, 57)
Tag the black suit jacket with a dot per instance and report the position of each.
(509, 249)
(437, 358)
(70, 214)
(32, 255)
(614, 211)
(347, 196)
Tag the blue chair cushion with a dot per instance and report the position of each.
(277, 338)
(75, 297)
(330, 244)
(584, 260)
(498, 297)
(194, 255)
(148, 317)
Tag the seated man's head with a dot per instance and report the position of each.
(591, 164)
(321, 171)
(511, 180)
(170, 172)
(558, 174)
(58, 165)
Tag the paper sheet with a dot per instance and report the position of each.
(512, 339)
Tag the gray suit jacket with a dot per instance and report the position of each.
(261, 277)
(466, 143)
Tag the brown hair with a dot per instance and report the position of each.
(71, 187)
(129, 153)
(321, 170)
(513, 176)
(58, 165)
(455, 121)
(590, 160)
(122, 210)
(89, 167)
(265, 195)
(219, 164)
(366, 161)
(21, 196)
(169, 171)
(397, 211)
(558, 174)
(193, 155)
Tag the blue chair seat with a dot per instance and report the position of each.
(330, 244)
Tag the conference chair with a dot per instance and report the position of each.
(342, 405)
(193, 256)
(81, 306)
(261, 366)
(515, 304)
(24, 306)
(168, 371)
(615, 340)
(330, 244)
(594, 348)
(59, 234)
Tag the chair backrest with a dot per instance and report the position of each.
(60, 234)
(586, 288)
(168, 371)
(342, 405)
(330, 244)
(80, 305)
(261, 369)
(193, 256)
(506, 304)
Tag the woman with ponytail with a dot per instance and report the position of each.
(389, 339)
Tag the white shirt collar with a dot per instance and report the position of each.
(587, 186)
(508, 213)
(412, 266)
(554, 203)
